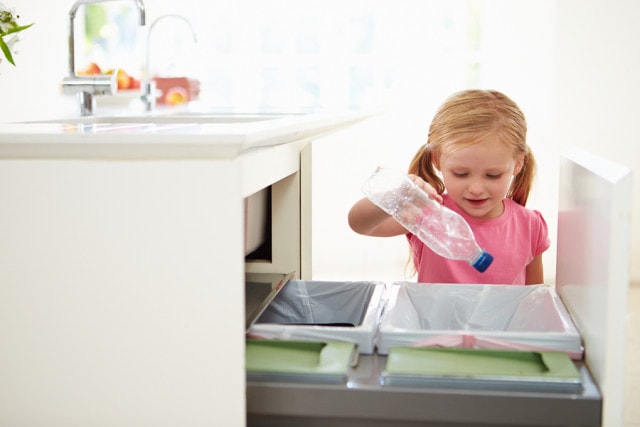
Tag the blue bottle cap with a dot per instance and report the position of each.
(483, 262)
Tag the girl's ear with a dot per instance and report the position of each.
(519, 165)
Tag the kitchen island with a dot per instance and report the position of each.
(122, 263)
(121, 285)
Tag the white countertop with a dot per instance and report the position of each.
(191, 135)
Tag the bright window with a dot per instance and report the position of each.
(296, 55)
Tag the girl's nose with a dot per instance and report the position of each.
(475, 187)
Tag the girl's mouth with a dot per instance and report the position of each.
(476, 202)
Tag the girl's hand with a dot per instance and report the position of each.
(426, 187)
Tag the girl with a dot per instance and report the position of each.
(476, 162)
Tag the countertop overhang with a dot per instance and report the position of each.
(161, 137)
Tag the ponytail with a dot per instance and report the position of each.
(523, 181)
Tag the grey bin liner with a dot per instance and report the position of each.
(324, 311)
(530, 315)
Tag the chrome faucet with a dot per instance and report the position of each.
(148, 96)
(88, 86)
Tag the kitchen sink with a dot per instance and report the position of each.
(183, 117)
(167, 134)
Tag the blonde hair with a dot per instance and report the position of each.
(467, 118)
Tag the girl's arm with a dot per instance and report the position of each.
(368, 219)
(535, 272)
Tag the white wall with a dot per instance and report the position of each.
(32, 88)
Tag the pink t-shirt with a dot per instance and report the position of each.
(514, 239)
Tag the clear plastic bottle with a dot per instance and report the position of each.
(443, 230)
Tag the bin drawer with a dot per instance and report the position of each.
(324, 311)
(490, 316)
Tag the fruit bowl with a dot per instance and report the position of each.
(123, 98)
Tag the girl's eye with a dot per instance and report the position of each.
(460, 174)
(494, 176)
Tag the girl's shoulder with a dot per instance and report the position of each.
(518, 208)
(523, 213)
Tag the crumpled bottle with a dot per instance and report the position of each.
(443, 230)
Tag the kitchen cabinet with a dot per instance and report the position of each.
(122, 268)
(122, 264)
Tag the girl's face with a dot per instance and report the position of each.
(478, 177)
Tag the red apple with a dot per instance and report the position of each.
(91, 69)
(134, 83)
(123, 79)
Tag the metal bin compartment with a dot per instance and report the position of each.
(324, 311)
(477, 316)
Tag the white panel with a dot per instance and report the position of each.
(592, 272)
(119, 302)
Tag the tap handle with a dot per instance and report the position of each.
(103, 84)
